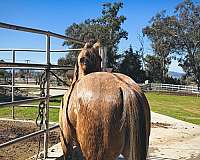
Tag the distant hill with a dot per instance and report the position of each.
(177, 75)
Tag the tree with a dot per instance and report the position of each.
(141, 49)
(152, 66)
(131, 65)
(158, 33)
(107, 29)
(180, 34)
(3, 72)
(187, 38)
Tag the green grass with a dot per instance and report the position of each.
(30, 113)
(53, 102)
(186, 108)
(27, 113)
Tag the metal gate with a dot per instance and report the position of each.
(48, 67)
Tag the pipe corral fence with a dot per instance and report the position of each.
(47, 67)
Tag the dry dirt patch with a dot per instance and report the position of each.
(22, 150)
(178, 140)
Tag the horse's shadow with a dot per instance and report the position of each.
(151, 158)
(62, 158)
(159, 158)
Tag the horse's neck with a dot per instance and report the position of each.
(81, 74)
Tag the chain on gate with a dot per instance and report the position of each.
(41, 107)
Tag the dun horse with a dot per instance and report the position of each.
(103, 114)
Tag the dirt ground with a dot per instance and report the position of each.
(171, 139)
(176, 140)
(25, 149)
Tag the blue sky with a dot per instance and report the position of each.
(57, 15)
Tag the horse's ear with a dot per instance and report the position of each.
(97, 45)
(88, 45)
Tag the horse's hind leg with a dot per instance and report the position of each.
(67, 145)
(126, 149)
(65, 138)
(64, 147)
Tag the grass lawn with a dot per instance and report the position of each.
(30, 113)
(186, 108)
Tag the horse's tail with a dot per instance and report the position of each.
(137, 115)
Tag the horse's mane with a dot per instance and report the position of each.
(75, 79)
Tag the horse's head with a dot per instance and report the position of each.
(88, 61)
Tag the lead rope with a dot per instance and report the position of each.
(40, 117)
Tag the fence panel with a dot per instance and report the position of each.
(47, 66)
(170, 88)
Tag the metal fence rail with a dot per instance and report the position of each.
(48, 66)
(38, 50)
(32, 86)
(28, 65)
(38, 31)
(19, 102)
(27, 136)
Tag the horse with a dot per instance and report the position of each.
(103, 114)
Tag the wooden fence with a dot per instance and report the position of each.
(170, 88)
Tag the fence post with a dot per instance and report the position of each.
(103, 54)
(46, 134)
(27, 71)
(13, 84)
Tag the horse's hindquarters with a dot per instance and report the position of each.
(110, 116)
(98, 125)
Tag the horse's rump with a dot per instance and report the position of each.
(102, 108)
